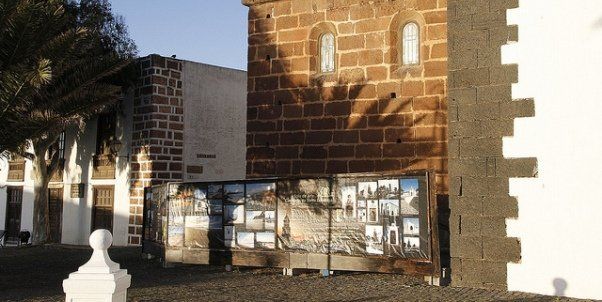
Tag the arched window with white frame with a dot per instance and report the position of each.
(411, 44)
(327, 49)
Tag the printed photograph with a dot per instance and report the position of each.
(215, 222)
(392, 234)
(367, 190)
(200, 200)
(374, 239)
(361, 215)
(175, 236)
(229, 232)
(245, 240)
(372, 210)
(266, 240)
(234, 193)
(229, 236)
(361, 203)
(389, 207)
(411, 244)
(235, 214)
(201, 206)
(388, 189)
(261, 196)
(409, 196)
(411, 226)
(270, 220)
(255, 220)
(348, 195)
(214, 192)
(197, 222)
(215, 207)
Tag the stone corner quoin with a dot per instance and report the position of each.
(481, 113)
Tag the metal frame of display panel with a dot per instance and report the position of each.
(427, 264)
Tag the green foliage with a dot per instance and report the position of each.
(60, 63)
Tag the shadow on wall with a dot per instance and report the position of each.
(303, 122)
(598, 24)
(84, 138)
(560, 286)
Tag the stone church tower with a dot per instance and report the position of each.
(347, 86)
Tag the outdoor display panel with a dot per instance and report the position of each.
(361, 222)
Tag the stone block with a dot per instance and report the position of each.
(472, 206)
(518, 167)
(501, 249)
(504, 74)
(504, 206)
(470, 247)
(518, 108)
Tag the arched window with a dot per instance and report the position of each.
(411, 44)
(327, 52)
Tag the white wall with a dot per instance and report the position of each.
(77, 213)
(27, 201)
(560, 64)
(215, 121)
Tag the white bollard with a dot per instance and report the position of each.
(100, 279)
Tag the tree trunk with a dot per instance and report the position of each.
(41, 179)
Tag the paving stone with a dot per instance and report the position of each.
(36, 274)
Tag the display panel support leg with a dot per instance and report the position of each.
(326, 273)
(288, 272)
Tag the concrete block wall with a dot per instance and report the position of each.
(158, 133)
(481, 113)
(371, 114)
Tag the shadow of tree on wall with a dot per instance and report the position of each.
(303, 122)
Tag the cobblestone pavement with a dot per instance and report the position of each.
(36, 274)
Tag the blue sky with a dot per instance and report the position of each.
(207, 31)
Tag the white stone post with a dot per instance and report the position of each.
(100, 279)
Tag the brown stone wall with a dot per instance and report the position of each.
(371, 115)
(481, 113)
(157, 138)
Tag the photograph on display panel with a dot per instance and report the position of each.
(266, 240)
(245, 240)
(304, 215)
(374, 239)
(410, 200)
(373, 213)
(411, 226)
(234, 214)
(411, 244)
(348, 202)
(255, 220)
(229, 236)
(367, 190)
(215, 191)
(261, 196)
(234, 193)
(367, 216)
(388, 189)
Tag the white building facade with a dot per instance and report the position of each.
(100, 187)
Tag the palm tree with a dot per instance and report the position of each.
(63, 75)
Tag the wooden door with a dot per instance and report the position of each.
(13, 212)
(102, 212)
(55, 214)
